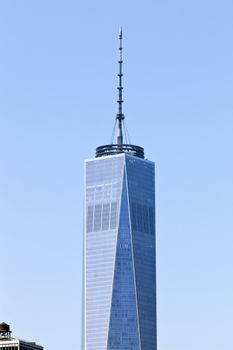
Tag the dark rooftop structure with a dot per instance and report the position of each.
(9, 343)
(5, 332)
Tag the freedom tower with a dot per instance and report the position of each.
(119, 277)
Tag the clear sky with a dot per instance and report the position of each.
(58, 66)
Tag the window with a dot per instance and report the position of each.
(90, 218)
(97, 217)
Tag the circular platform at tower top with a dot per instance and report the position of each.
(113, 149)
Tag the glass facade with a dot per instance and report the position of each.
(119, 254)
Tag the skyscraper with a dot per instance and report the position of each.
(119, 290)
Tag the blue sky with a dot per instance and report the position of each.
(58, 67)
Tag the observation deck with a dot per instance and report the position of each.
(113, 149)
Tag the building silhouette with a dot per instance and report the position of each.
(119, 288)
(9, 343)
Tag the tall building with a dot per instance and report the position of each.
(119, 294)
(9, 343)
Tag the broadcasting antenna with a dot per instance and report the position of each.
(120, 116)
(120, 130)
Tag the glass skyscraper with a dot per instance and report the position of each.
(119, 294)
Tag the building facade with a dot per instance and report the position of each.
(119, 289)
(9, 343)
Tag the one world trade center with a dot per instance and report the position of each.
(119, 274)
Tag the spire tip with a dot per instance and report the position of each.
(120, 31)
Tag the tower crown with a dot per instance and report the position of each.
(120, 131)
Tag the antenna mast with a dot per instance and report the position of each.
(121, 146)
(120, 116)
